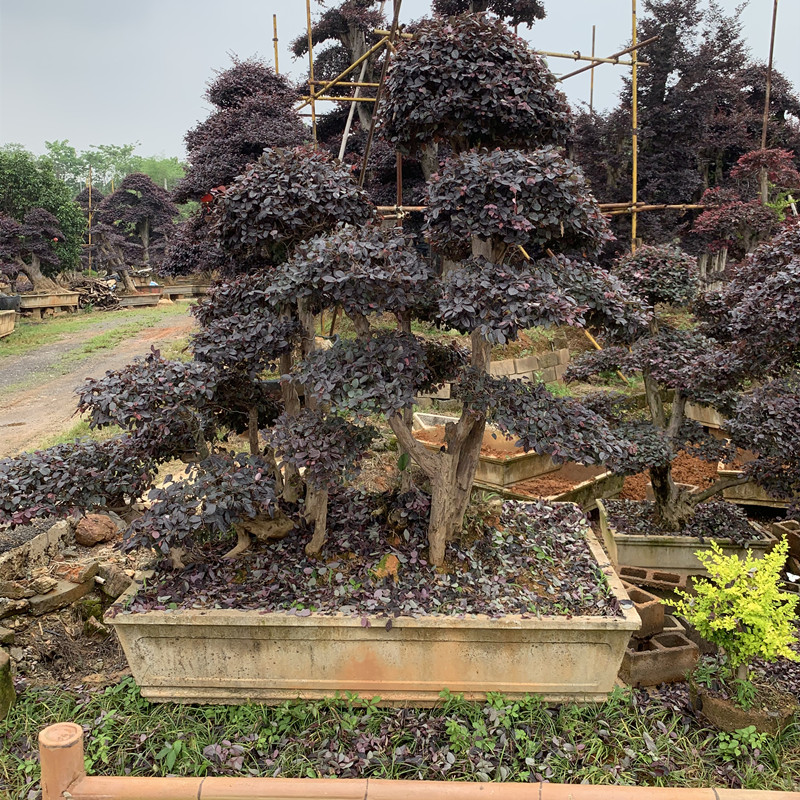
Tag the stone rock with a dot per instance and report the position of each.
(43, 585)
(6, 636)
(77, 573)
(63, 595)
(10, 608)
(277, 527)
(90, 606)
(17, 653)
(388, 566)
(116, 519)
(14, 590)
(7, 693)
(93, 627)
(115, 581)
(94, 529)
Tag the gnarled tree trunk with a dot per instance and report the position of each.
(33, 272)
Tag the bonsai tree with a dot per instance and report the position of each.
(252, 110)
(741, 608)
(514, 11)
(498, 200)
(141, 211)
(29, 248)
(709, 371)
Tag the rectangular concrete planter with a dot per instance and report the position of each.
(673, 553)
(749, 494)
(178, 291)
(129, 300)
(64, 300)
(705, 415)
(585, 493)
(790, 528)
(494, 472)
(8, 319)
(239, 656)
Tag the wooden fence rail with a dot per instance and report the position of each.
(64, 778)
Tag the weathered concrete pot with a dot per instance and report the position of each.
(29, 302)
(129, 300)
(8, 319)
(673, 553)
(790, 528)
(240, 656)
(584, 493)
(181, 290)
(725, 715)
(749, 494)
(494, 472)
(705, 415)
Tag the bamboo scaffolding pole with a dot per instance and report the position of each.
(275, 40)
(339, 99)
(634, 129)
(338, 78)
(89, 184)
(661, 207)
(311, 75)
(591, 72)
(613, 59)
(348, 84)
(392, 33)
(769, 77)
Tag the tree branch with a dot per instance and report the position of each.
(424, 457)
(716, 488)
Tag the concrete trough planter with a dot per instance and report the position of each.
(749, 494)
(8, 319)
(705, 415)
(36, 304)
(585, 493)
(675, 554)
(180, 291)
(494, 471)
(240, 656)
(131, 300)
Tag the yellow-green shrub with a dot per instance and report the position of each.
(741, 608)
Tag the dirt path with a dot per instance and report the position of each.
(34, 413)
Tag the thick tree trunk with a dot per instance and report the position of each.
(316, 511)
(406, 479)
(291, 404)
(429, 159)
(33, 273)
(144, 235)
(130, 286)
(252, 430)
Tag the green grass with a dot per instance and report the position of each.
(31, 335)
(80, 430)
(627, 740)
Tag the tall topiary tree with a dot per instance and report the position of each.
(252, 110)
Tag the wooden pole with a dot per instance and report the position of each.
(591, 72)
(311, 74)
(634, 130)
(275, 39)
(61, 758)
(769, 77)
(90, 220)
(613, 59)
(399, 158)
(389, 41)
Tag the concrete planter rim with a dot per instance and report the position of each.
(253, 617)
(681, 541)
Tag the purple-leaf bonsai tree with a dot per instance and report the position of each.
(142, 212)
(709, 371)
(28, 248)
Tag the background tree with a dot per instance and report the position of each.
(142, 211)
(347, 30)
(29, 247)
(513, 11)
(28, 183)
(253, 110)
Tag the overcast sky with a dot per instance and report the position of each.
(114, 72)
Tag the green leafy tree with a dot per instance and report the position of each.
(27, 183)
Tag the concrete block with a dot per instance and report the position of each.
(665, 658)
(525, 376)
(563, 355)
(657, 578)
(63, 595)
(42, 549)
(548, 375)
(548, 359)
(650, 609)
(14, 590)
(527, 364)
(560, 370)
(423, 402)
(505, 367)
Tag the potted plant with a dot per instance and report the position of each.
(687, 360)
(741, 609)
(389, 593)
